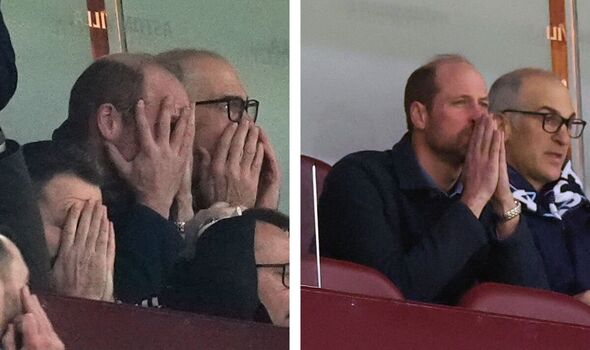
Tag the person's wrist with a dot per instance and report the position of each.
(160, 206)
(503, 205)
(510, 212)
(475, 204)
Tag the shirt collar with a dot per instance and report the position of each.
(409, 172)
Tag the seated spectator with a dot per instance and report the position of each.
(79, 235)
(240, 269)
(435, 213)
(540, 121)
(234, 159)
(22, 319)
(135, 119)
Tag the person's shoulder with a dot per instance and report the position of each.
(366, 159)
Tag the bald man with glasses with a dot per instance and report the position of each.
(234, 160)
(535, 110)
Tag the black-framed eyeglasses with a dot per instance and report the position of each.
(235, 107)
(285, 271)
(552, 122)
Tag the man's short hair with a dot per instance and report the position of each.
(47, 159)
(270, 216)
(174, 60)
(504, 91)
(116, 79)
(421, 85)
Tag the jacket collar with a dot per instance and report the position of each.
(409, 172)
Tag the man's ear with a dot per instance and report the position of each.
(503, 125)
(109, 122)
(418, 115)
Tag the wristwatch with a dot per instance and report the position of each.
(512, 213)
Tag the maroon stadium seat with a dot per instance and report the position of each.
(307, 218)
(526, 302)
(344, 276)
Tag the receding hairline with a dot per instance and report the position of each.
(505, 91)
(176, 60)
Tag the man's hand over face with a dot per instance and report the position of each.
(481, 167)
(183, 201)
(157, 170)
(232, 173)
(269, 184)
(36, 329)
(86, 257)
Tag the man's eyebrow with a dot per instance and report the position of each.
(553, 110)
(226, 97)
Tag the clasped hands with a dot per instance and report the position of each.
(485, 174)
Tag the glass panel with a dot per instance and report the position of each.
(583, 32)
(357, 55)
(52, 47)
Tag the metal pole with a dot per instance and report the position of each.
(121, 25)
(577, 144)
(315, 217)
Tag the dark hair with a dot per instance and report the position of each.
(46, 159)
(270, 216)
(115, 79)
(421, 85)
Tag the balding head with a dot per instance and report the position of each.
(206, 76)
(197, 69)
(422, 86)
(505, 93)
(115, 79)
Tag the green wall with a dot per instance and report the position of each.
(52, 47)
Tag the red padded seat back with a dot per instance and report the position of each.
(526, 302)
(344, 276)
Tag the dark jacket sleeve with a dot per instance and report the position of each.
(359, 222)
(8, 72)
(221, 279)
(20, 217)
(147, 247)
(516, 259)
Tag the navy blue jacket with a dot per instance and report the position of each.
(562, 235)
(147, 248)
(380, 209)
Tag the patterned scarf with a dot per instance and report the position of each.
(555, 199)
